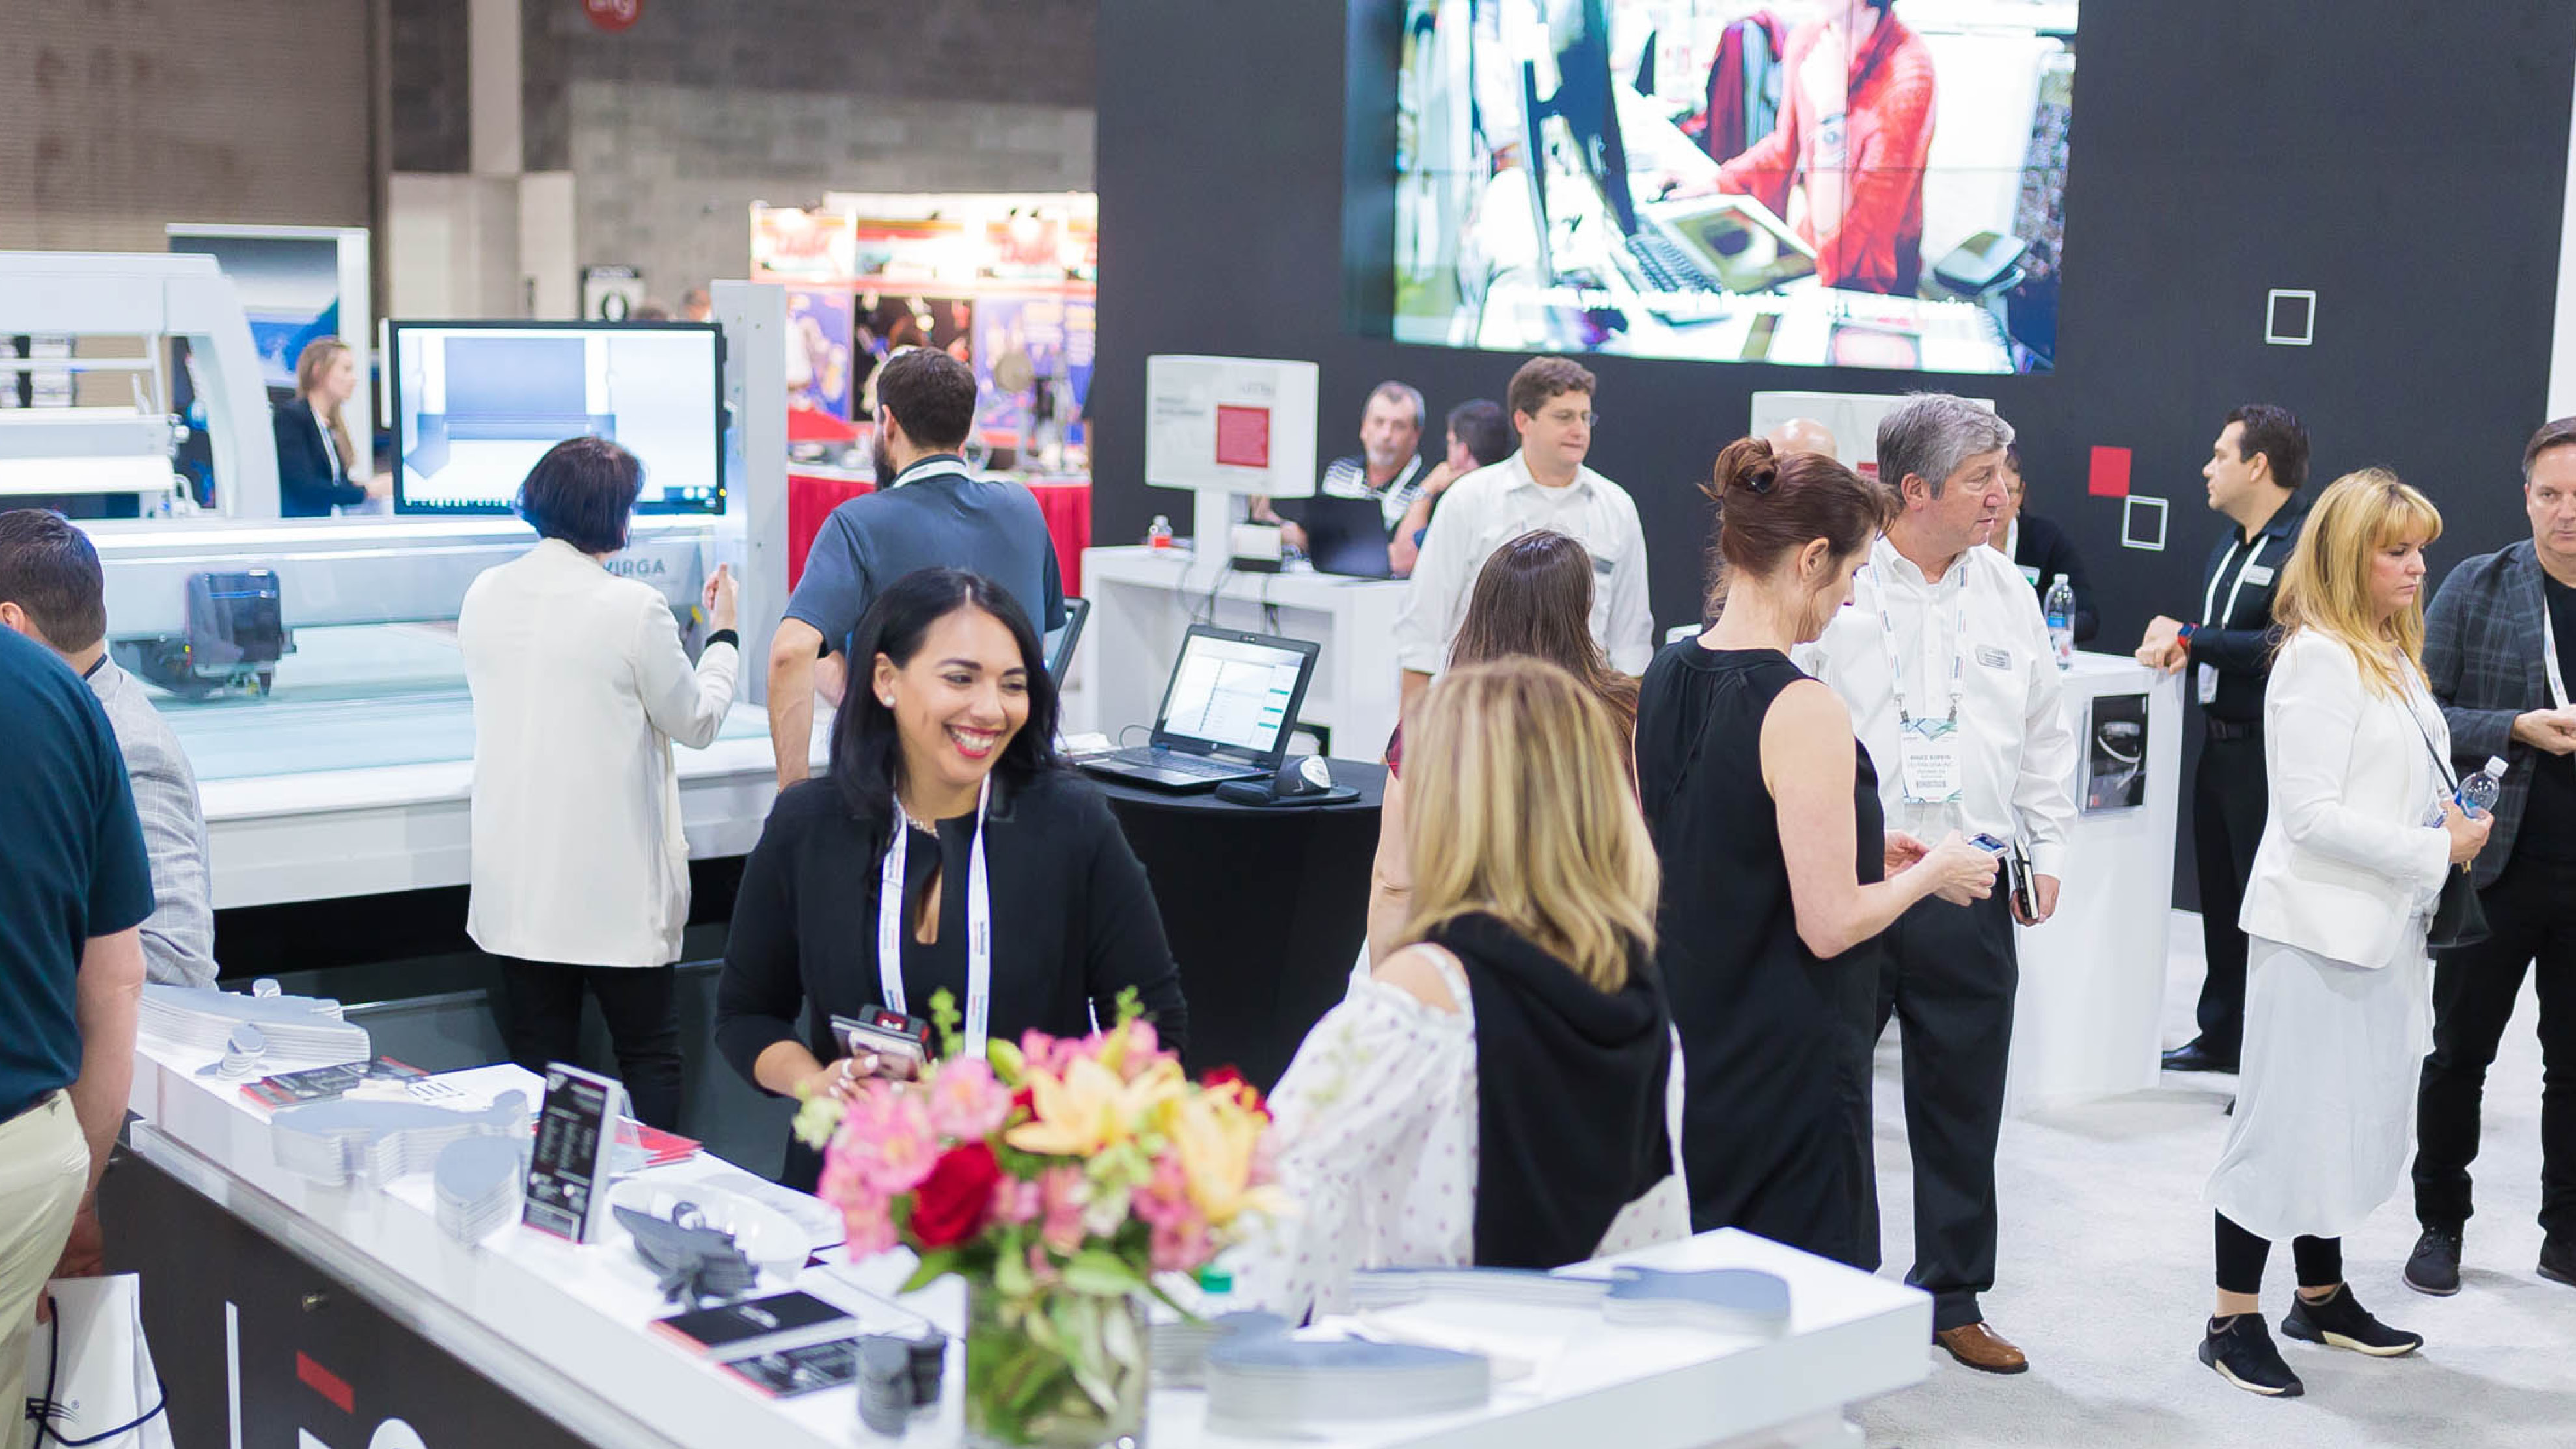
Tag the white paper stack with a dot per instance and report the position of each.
(297, 1028)
(376, 1142)
(1278, 1384)
(1181, 1344)
(478, 1185)
(1522, 1287)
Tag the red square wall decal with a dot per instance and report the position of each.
(1243, 436)
(2109, 475)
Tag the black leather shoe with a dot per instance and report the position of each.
(2434, 1267)
(2197, 1055)
(2558, 1260)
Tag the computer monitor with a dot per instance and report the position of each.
(1590, 108)
(476, 404)
(1060, 641)
(1234, 694)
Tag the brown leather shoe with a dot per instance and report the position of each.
(1982, 1349)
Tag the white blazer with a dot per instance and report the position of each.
(580, 686)
(2346, 859)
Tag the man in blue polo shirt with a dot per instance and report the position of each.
(73, 890)
(927, 512)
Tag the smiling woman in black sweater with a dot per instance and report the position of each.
(956, 725)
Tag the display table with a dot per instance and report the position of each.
(1265, 909)
(1143, 600)
(2086, 1021)
(284, 1313)
(814, 491)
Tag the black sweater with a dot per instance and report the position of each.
(308, 483)
(1074, 922)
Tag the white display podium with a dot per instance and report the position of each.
(2086, 1020)
(1143, 600)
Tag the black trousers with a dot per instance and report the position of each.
(541, 1019)
(2229, 801)
(2241, 1256)
(2531, 911)
(1948, 978)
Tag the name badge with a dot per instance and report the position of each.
(1602, 566)
(2030, 572)
(1994, 658)
(1929, 763)
(2208, 682)
(2259, 575)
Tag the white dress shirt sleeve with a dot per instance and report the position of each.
(688, 704)
(1631, 645)
(1432, 597)
(2043, 799)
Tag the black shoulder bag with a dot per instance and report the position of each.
(2459, 918)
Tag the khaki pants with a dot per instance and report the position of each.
(44, 1165)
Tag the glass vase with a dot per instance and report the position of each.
(1058, 1369)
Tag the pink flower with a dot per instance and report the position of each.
(1015, 1201)
(1183, 1249)
(1049, 1054)
(1062, 1194)
(1180, 1240)
(886, 1138)
(1042, 1270)
(863, 1210)
(967, 1101)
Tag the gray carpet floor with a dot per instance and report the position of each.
(2105, 1283)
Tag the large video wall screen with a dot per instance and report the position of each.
(1855, 183)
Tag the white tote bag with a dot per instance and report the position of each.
(92, 1370)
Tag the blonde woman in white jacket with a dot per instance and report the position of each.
(2362, 833)
(580, 875)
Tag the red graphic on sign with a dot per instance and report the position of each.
(613, 14)
(2109, 477)
(326, 1383)
(1243, 436)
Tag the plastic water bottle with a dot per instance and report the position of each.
(2478, 792)
(2059, 606)
(1159, 533)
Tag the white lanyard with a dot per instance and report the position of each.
(2549, 657)
(2209, 600)
(979, 925)
(330, 450)
(1896, 656)
(923, 472)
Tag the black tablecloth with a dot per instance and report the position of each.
(1267, 909)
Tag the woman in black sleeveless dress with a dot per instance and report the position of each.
(1778, 872)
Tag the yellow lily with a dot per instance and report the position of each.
(1089, 1107)
(1215, 1140)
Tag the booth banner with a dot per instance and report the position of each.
(789, 244)
(1032, 360)
(289, 288)
(820, 326)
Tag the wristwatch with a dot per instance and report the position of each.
(2183, 634)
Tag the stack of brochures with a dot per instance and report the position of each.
(1277, 1384)
(354, 1140)
(299, 1028)
(478, 1185)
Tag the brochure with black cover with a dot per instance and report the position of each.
(328, 1084)
(787, 1372)
(703, 1329)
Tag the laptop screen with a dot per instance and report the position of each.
(1233, 693)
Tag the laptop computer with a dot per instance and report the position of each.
(1226, 714)
(1059, 641)
(1346, 536)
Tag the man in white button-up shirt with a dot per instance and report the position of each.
(1544, 485)
(1945, 663)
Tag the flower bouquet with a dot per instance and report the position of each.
(1058, 1176)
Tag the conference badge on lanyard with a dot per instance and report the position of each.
(1928, 752)
(979, 926)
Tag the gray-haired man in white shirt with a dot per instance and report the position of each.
(1544, 485)
(1946, 665)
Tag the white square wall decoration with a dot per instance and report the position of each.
(2290, 317)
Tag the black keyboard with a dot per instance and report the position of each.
(1665, 267)
(1179, 762)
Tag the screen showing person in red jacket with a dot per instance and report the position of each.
(1844, 163)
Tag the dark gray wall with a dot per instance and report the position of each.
(2406, 166)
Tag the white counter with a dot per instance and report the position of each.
(2086, 1020)
(563, 1329)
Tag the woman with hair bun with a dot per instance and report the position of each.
(1778, 870)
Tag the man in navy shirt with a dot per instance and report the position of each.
(74, 889)
(928, 512)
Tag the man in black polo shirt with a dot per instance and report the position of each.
(2499, 648)
(928, 512)
(2254, 472)
(74, 886)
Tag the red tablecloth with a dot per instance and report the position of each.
(811, 497)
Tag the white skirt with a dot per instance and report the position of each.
(2325, 1097)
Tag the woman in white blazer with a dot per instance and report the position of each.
(2361, 835)
(580, 875)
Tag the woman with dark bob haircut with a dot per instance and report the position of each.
(580, 873)
(947, 823)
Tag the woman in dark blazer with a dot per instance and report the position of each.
(313, 445)
(946, 736)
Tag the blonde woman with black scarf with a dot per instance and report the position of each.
(2337, 911)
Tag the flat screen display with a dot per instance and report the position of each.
(477, 404)
(1858, 183)
(1233, 692)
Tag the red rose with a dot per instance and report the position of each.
(950, 1204)
(1229, 1077)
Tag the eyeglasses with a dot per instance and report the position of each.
(1565, 419)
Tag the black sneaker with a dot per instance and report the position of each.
(2241, 1350)
(2434, 1267)
(2558, 1259)
(2339, 1319)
